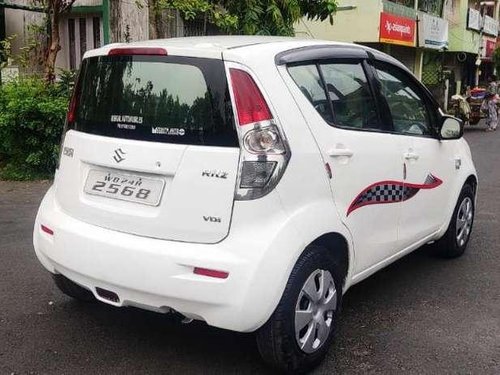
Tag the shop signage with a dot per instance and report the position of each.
(432, 32)
(490, 26)
(489, 48)
(474, 19)
(397, 30)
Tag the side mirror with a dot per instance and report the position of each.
(451, 128)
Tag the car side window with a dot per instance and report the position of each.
(405, 100)
(309, 82)
(349, 92)
(349, 96)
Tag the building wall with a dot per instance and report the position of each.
(16, 22)
(122, 21)
(359, 24)
(461, 39)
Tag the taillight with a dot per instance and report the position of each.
(71, 116)
(264, 150)
(73, 104)
(267, 140)
(250, 103)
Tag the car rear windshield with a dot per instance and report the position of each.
(155, 98)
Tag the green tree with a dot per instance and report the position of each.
(55, 10)
(262, 17)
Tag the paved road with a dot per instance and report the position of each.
(421, 315)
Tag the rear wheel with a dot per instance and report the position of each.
(455, 240)
(72, 289)
(297, 336)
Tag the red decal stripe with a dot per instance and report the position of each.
(355, 204)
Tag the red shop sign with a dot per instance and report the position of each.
(397, 30)
(490, 47)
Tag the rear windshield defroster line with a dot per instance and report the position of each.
(168, 99)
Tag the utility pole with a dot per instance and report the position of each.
(480, 47)
(419, 52)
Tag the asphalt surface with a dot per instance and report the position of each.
(421, 315)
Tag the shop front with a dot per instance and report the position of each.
(432, 43)
(397, 37)
(488, 46)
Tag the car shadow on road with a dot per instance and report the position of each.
(160, 340)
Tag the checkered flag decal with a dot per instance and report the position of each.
(391, 192)
(382, 193)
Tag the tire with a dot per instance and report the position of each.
(452, 245)
(277, 340)
(72, 289)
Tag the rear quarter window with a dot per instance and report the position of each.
(155, 98)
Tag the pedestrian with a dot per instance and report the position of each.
(489, 106)
(493, 85)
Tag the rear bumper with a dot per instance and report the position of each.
(158, 275)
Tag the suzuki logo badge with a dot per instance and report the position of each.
(119, 155)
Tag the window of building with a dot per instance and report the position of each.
(83, 36)
(406, 3)
(96, 31)
(72, 43)
(434, 7)
(82, 33)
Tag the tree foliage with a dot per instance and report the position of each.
(262, 17)
(32, 116)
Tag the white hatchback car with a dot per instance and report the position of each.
(249, 182)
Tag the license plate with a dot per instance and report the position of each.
(125, 187)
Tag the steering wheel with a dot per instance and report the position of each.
(423, 129)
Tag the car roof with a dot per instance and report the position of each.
(233, 45)
(212, 46)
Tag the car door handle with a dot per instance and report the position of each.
(338, 152)
(411, 155)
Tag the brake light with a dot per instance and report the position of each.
(144, 51)
(211, 273)
(250, 104)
